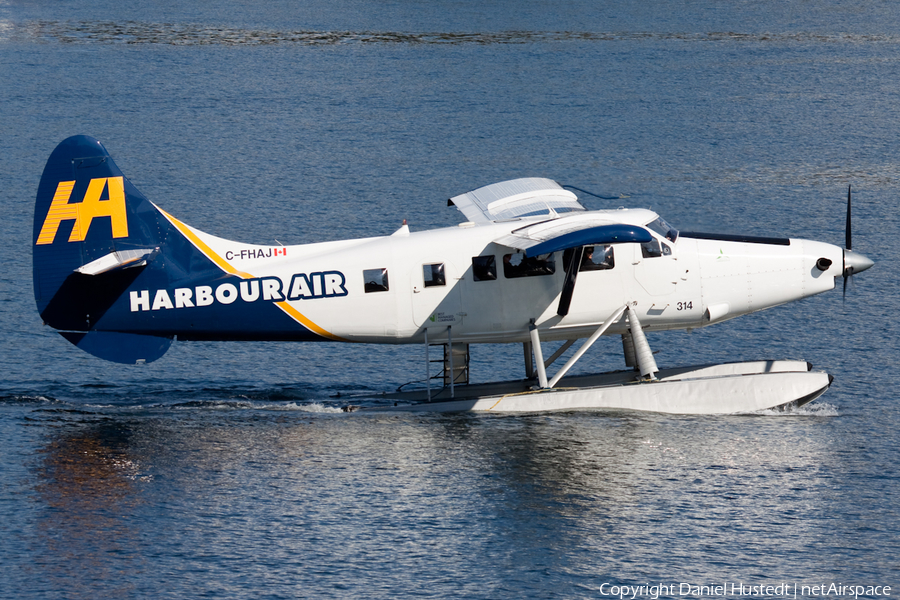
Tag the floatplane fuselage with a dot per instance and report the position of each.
(121, 278)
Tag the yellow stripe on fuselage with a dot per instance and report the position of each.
(228, 268)
(203, 247)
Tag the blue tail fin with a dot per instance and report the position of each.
(94, 233)
(119, 278)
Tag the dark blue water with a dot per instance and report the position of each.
(228, 471)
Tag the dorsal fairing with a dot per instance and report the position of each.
(517, 198)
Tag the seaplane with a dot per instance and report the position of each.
(120, 278)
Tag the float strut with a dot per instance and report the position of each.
(538, 355)
(450, 350)
(559, 352)
(644, 355)
(529, 360)
(427, 368)
(628, 351)
(584, 347)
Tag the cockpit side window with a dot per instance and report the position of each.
(654, 248)
(651, 249)
(594, 258)
(598, 258)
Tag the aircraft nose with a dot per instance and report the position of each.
(855, 262)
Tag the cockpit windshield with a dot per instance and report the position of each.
(664, 229)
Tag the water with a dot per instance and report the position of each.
(227, 470)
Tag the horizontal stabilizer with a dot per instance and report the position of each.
(123, 259)
(124, 348)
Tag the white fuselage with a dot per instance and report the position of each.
(692, 283)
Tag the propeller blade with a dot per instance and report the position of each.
(853, 261)
(847, 241)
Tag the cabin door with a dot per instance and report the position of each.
(436, 295)
(655, 268)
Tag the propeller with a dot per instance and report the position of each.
(853, 261)
(847, 237)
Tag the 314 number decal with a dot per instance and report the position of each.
(689, 305)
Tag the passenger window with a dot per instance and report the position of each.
(484, 268)
(434, 275)
(376, 280)
(651, 249)
(519, 265)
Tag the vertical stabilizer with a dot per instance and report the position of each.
(94, 233)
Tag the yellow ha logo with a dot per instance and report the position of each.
(84, 212)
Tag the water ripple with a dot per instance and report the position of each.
(187, 34)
